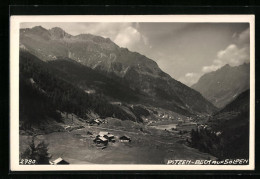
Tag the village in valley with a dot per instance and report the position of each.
(154, 141)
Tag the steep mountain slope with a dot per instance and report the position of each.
(35, 107)
(233, 122)
(141, 74)
(222, 86)
(239, 104)
(227, 131)
(94, 82)
(43, 90)
(225, 117)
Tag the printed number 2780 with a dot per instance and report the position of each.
(27, 162)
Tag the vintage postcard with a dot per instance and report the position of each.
(146, 92)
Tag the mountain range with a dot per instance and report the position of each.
(80, 57)
(222, 86)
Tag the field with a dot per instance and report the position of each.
(149, 145)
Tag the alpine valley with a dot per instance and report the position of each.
(74, 87)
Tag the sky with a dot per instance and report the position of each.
(185, 51)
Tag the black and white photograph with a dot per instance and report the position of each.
(132, 92)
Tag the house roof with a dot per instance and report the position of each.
(125, 136)
(110, 135)
(103, 139)
(102, 133)
(58, 160)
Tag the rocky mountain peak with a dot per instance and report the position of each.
(38, 28)
(59, 33)
(37, 32)
(223, 85)
(226, 66)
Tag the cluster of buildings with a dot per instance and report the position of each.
(97, 121)
(102, 138)
(105, 137)
(204, 126)
(164, 116)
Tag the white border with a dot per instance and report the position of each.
(14, 87)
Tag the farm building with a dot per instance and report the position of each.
(59, 161)
(218, 133)
(67, 127)
(101, 140)
(110, 137)
(90, 91)
(97, 121)
(104, 137)
(125, 138)
(94, 121)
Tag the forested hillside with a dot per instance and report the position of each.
(227, 132)
(90, 80)
(42, 92)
